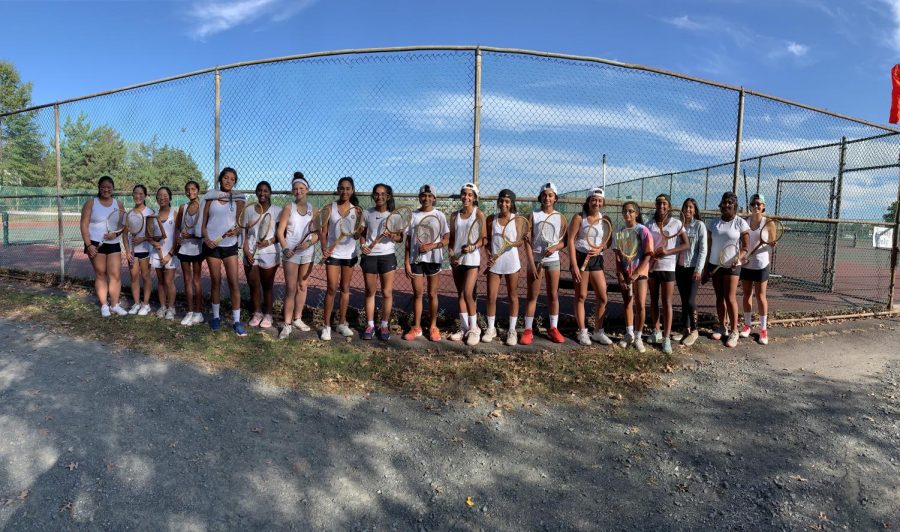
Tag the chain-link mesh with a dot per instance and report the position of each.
(410, 118)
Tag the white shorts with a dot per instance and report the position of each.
(267, 260)
(301, 258)
(171, 265)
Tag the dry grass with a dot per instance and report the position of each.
(339, 367)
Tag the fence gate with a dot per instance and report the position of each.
(805, 255)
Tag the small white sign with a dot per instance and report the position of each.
(883, 237)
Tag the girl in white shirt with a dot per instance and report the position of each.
(465, 260)
(341, 258)
(297, 241)
(102, 247)
(260, 267)
(190, 252)
(139, 256)
(423, 264)
(548, 259)
(163, 258)
(379, 260)
(755, 272)
(662, 270)
(505, 267)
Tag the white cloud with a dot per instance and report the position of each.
(684, 23)
(211, 17)
(796, 49)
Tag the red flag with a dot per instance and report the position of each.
(895, 95)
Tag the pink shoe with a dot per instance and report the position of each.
(745, 331)
(764, 336)
(266, 322)
(257, 317)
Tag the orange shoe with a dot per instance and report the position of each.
(527, 337)
(434, 334)
(413, 333)
(555, 336)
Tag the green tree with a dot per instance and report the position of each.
(23, 152)
(87, 153)
(153, 166)
(891, 212)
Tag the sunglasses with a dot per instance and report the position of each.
(756, 204)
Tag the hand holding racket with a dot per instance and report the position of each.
(627, 247)
(770, 234)
(262, 240)
(473, 237)
(189, 218)
(156, 233)
(115, 224)
(729, 257)
(134, 223)
(348, 226)
(315, 225)
(549, 233)
(669, 228)
(396, 224)
(597, 238)
(245, 219)
(428, 234)
(512, 236)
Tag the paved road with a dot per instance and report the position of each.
(803, 433)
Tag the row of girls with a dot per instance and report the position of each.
(658, 266)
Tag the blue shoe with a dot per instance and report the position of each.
(239, 329)
(215, 324)
(384, 334)
(368, 333)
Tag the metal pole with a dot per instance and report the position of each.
(59, 214)
(896, 247)
(737, 141)
(642, 191)
(476, 122)
(706, 189)
(671, 181)
(758, 172)
(217, 125)
(604, 172)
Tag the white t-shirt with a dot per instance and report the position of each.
(222, 216)
(667, 263)
(472, 258)
(346, 248)
(374, 222)
(435, 256)
(724, 233)
(508, 262)
(760, 259)
(143, 247)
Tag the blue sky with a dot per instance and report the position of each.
(375, 117)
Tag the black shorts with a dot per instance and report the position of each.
(756, 276)
(378, 264)
(725, 271)
(427, 269)
(593, 265)
(465, 267)
(105, 249)
(220, 252)
(141, 255)
(189, 259)
(663, 277)
(332, 261)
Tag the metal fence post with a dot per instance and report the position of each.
(896, 247)
(671, 182)
(217, 126)
(59, 206)
(835, 213)
(476, 123)
(706, 189)
(758, 172)
(737, 141)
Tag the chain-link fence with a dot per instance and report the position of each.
(447, 115)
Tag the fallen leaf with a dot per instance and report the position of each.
(72, 466)
(470, 502)
(496, 413)
(798, 478)
(23, 494)
(257, 430)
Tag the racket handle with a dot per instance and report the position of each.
(584, 264)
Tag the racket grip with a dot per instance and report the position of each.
(587, 258)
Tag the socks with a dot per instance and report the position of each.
(371, 324)
(748, 318)
(473, 321)
(215, 310)
(529, 321)
(464, 321)
(629, 330)
(236, 315)
(512, 322)
(490, 320)
(762, 321)
(384, 324)
(554, 320)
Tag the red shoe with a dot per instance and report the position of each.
(434, 334)
(555, 336)
(527, 337)
(764, 336)
(413, 333)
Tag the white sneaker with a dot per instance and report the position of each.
(298, 323)
(473, 337)
(104, 311)
(600, 337)
(285, 332)
(170, 314)
(344, 330)
(489, 335)
(188, 319)
(627, 340)
(732, 339)
(512, 338)
(325, 334)
(655, 337)
(161, 313)
(639, 345)
(583, 337)
(119, 311)
(198, 318)
(458, 336)
(134, 308)
(145, 309)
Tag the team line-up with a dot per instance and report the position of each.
(675, 248)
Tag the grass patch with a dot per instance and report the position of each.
(343, 367)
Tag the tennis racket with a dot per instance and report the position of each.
(314, 226)
(597, 237)
(550, 232)
(134, 222)
(246, 218)
(189, 218)
(628, 246)
(669, 227)
(395, 224)
(262, 233)
(115, 222)
(770, 234)
(427, 231)
(512, 235)
(727, 257)
(473, 235)
(347, 227)
(157, 233)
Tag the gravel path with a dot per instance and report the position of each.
(801, 434)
